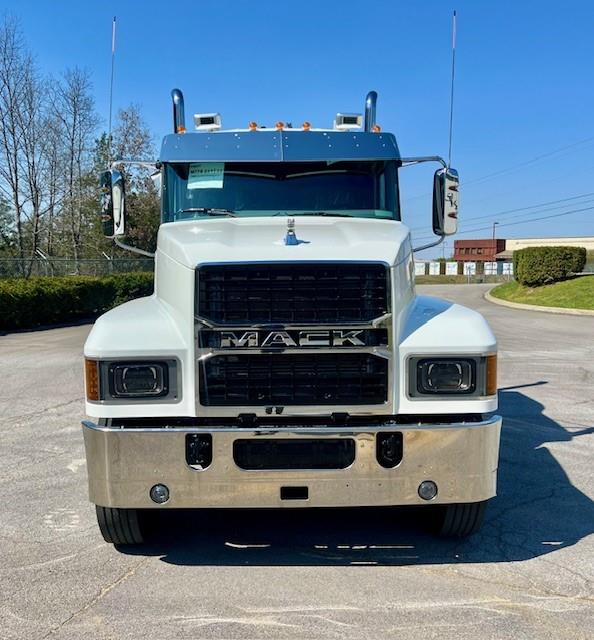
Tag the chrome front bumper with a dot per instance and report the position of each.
(123, 464)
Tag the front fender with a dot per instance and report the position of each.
(432, 326)
(141, 329)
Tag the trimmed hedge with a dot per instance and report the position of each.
(536, 266)
(47, 300)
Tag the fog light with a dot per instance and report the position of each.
(427, 490)
(160, 493)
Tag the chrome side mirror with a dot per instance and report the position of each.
(445, 202)
(113, 197)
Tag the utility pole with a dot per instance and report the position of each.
(494, 225)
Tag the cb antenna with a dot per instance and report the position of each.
(113, 40)
(452, 88)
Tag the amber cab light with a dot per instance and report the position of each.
(92, 380)
(491, 386)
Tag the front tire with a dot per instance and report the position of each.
(120, 526)
(461, 520)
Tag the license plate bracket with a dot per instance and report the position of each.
(294, 454)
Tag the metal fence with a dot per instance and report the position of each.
(17, 268)
(462, 279)
(439, 272)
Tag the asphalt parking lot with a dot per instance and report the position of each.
(323, 574)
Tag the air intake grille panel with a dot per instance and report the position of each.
(293, 379)
(292, 293)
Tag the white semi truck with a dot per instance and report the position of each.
(284, 359)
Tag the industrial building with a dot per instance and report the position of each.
(477, 250)
(500, 250)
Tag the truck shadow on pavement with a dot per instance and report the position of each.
(536, 512)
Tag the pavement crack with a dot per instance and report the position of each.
(547, 593)
(40, 412)
(104, 591)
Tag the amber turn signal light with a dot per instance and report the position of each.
(92, 380)
(491, 386)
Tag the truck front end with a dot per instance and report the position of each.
(284, 359)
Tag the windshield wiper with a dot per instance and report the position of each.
(313, 213)
(324, 213)
(209, 211)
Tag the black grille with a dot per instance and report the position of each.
(298, 293)
(293, 379)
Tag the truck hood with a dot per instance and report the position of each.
(263, 239)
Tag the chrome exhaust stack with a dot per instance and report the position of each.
(370, 105)
(179, 121)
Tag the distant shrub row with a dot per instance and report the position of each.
(46, 300)
(536, 266)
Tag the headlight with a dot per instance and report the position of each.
(472, 376)
(126, 381)
(139, 379)
(446, 375)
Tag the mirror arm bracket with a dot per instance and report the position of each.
(428, 246)
(419, 159)
(147, 164)
(127, 247)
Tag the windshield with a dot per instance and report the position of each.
(354, 189)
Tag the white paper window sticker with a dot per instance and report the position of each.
(206, 175)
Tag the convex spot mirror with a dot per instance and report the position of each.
(113, 199)
(445, 202)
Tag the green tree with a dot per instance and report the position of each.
(7, 232)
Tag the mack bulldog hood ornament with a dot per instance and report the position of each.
(291, 238)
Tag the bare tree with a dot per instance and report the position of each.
(15, 74)
(73, 108)
(49, 161)
(31, 116)
(133, 140)
(53, 179)
(23, 141)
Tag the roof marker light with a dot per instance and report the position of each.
(253, 126)
(376, 128)
(306, 126)
(280, 125)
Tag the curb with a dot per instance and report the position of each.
(533, 307)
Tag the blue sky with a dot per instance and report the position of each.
(524, 94)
